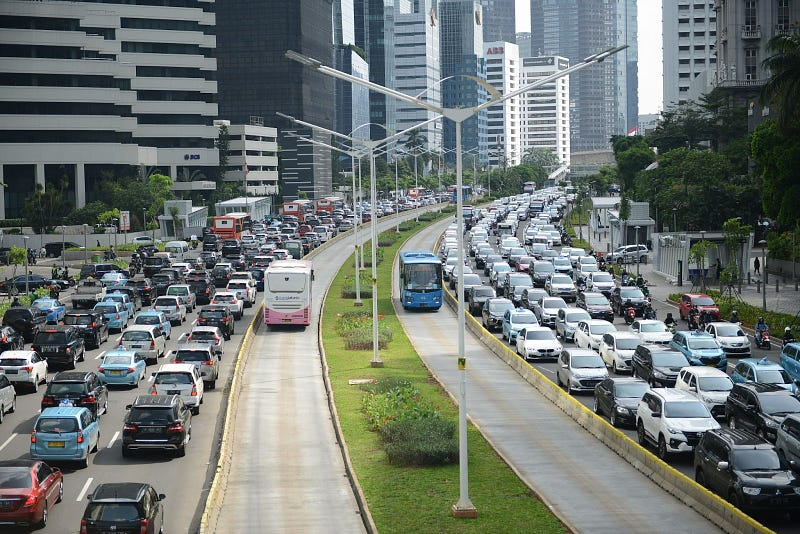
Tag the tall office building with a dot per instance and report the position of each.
(690, 60)
(499, 20)
(88, 89)
(503, 71)
(416, 73)
(743, 30)
(256, 79)
(545, 115)
(461, 44)
(603, 97)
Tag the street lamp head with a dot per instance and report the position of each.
(304, 60)
(763, 243)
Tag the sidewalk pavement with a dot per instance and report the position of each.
(785, 300)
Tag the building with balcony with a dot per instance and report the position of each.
(253, 157)
(504, 72)
(88, 90)
(544, 121)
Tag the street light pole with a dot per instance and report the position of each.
(85, 244)
(356, 216)
(675, 220)
(703, 264)
(27, 280)
(763, 244)
(63, 244)
(638, 254)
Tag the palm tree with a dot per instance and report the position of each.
(783, 86)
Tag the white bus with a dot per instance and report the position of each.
(287, 292)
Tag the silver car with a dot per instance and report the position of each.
(210, 335)
(202, 356)
(580, 370)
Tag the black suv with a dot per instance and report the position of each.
(96, 270)
(476, 296)
(92, 326)
(219, 316)
(596, 305)
(146, 289)
(221, 274)
(26, 321)
(153, 264)
(124, 507)
(231, 247)
(162, 280)
(760, 408)
(203, 289)
(76, 388)
(212, 243)
(154, 422)
(746, 470)
(621, 295)
(60, 346)
(658, 365)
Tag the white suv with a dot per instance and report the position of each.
(628, 254)
(672, 420)
(708, 384)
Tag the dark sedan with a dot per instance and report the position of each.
(596, 304)
(618, 397)
(34, 282)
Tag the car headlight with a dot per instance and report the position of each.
(797, 490)
(659, 374)
(673, 430)
(747, 490)
(622, 410)
(770, 423)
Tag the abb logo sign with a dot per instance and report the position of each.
(495, 50)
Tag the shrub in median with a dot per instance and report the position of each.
(349, 287)
(356, 329)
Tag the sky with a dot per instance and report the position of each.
(651, 91)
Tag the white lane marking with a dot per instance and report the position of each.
(6, 442)
(84, 489)
(113, 439)
(100, 355)
(194, 322)
(545, 370)
(151, 378)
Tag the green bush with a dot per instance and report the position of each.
(387, 239)
(421, 442)
(368, 257)
(361, 338)
(400, 403)
(349, 287)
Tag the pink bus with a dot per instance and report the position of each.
(287, 292)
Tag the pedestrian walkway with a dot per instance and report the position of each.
(785, 300)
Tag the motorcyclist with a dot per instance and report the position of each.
(705, 318)
(760, 328)
(15, 302)
(694, 317)
(54, 272)
(54, 291)
(669, 320)
(734, 317)
(624, 276)
(788, 337)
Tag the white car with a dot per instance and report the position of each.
(232, 301)
(186, 267)
(173, 307)
(651, 331)
(670, 419)
(24, 367)
(538, 343)
(244, 289)
(146, 339)
(709, 385)
(616, 349)
(589, 333)
(732, 340)
(601, 282)
(180, 379)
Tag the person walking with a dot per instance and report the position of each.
(757, 266)
(719, 268)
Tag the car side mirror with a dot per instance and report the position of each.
(656, 415)
(721, 466)
(564, 366)
(128, 406)
(161, 496)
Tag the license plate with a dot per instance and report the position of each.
(287, 320)
(65, 402)
(139, 345)
(6, 504)
(50, 348)
(11, 371)
(173, 392)
(151, 429)
(115, 373)
(56, 444)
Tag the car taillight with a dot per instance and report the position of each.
(30, 501)
(209, 362)
(101, 370)
(144, 524)
(33, 436)
(51, 310)
(224, 320)
(152, 344)
(5, 339)
(47, 399)
(208, 291)
(216, 338)
(153, 390)
(89, 399)
(80, 436)
(69, 349)
(118, 316)
(94, 324)
(194, 391)
(28, 368)
(129, 427)
(131, 370)
(177, 427)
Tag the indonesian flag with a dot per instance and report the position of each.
(632, 131)
(246, 169)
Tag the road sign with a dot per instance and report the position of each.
(125, 221)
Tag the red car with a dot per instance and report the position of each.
(28, 490)
(702, 301)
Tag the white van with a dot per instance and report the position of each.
(178, 249)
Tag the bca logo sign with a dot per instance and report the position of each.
(495, 50)
(191, 156)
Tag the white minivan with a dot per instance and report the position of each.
(178, 249)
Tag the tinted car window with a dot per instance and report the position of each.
(112, 512)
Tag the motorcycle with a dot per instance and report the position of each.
(762, 339)
(580, 285)
(649, 312)
(670, 327)
(630, 315)
(787, 340)
(694, 321)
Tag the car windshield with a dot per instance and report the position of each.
(703, 301)
(685, 410)
(524, 318)
(112, 512)
(774, 376)
(50, 338)
(543, 267)
(224, 298)
(631, 391)
(117, 359)
(715, 383)
(780, 404)
(631, 293)
(626, 343)
(517, 279)
(562, 262)
(136, 336)
(500, 307)
(589, 268)
(161, 278)
(501, 267)
(539, 335)
(13, 362)
(561, 280)
(191, 356)
(172, 378)
(147, 319)
(652, 327)
(57, 424)
(669, 359)
(602, 277)
(756, 460)
(15, 477)
(554, 303)
(587, 362)
(106, 309)
(483, 292)
(599, 300)
(203, 336)
(597, 329)
(703, 343)
(177, 291)
(66, 388)
(166, 302)
(729, 330)
(212, 314)
(574, 317)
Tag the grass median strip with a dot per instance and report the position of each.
(417, 499)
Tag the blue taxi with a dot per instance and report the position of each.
(763, 370)
(122, 367)
(65, 434)
(115, 312)
(154, 317)
(123, 299)
(700, 348)
(515, 320)
(53, 308)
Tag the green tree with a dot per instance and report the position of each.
(158, 187)
(17, 257)
(735, 234)
(222, 143)
(107, 216)
(544, 157)
(698, 255)
(46, 208)
(782, 89)
(777, 158)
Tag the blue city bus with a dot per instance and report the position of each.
(420, 280)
